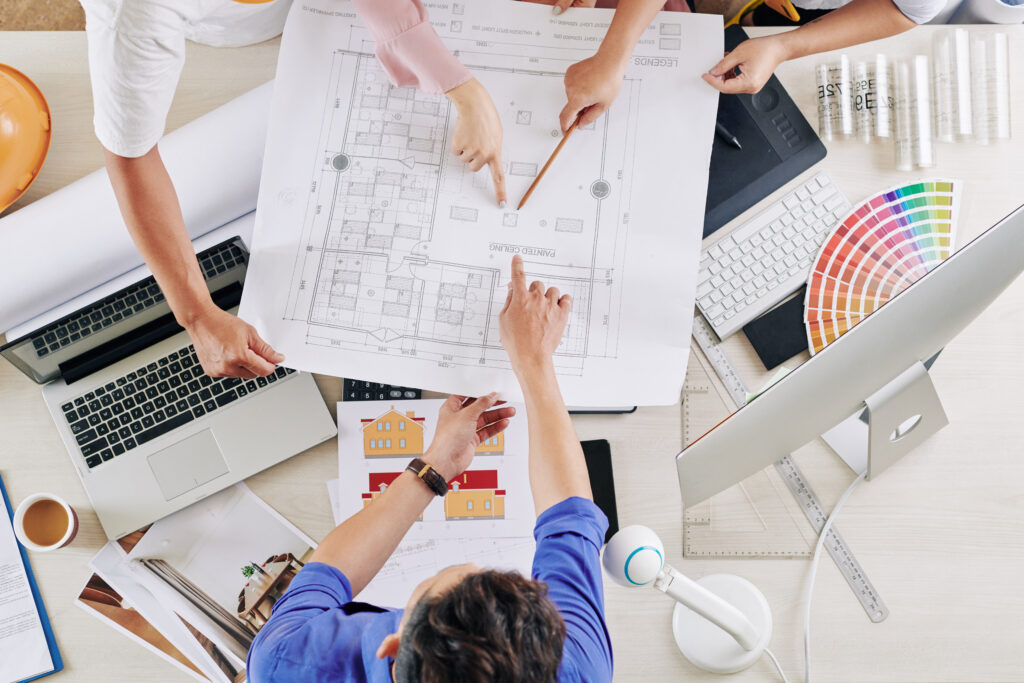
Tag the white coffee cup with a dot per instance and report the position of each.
(27, 541)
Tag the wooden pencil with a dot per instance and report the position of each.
(554, 154)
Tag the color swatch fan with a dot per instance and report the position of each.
(881, 248)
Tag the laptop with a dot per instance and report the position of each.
(148, 432)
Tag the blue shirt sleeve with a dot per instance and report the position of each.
(309, 637)
(568, 558)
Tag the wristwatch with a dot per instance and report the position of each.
(429, 476)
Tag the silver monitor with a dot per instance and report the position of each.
(876, 368)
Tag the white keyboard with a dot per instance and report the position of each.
(760, 263)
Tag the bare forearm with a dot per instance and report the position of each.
(151, 211)
(858, 22)
(632, 17)
(557, 468)
(361, 544)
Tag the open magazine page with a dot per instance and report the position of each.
(221, 564)
(110, 565)
(106, 604)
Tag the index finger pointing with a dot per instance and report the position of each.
(518, 274)
(498, 176)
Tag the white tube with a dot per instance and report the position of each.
(863, 101)
(883, 97)
(980, 90)
(902, 130)
(1001, 85)
(75, 239)
(845, 97)
(942, 83)
(827, 114)
(921, 94)
(963, 112)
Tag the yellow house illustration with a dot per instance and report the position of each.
(393, 434)
(475, 495)
(471, 495)
(492, 446)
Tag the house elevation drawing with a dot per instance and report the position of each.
(380, 256)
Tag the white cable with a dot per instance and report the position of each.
(814, 572)
(778, 666)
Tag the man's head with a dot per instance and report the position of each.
(469, 625)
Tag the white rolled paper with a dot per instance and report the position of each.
(75, 239)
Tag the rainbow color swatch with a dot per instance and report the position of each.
(881, 248)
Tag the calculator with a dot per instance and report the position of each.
(358, 390)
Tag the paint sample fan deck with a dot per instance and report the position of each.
(885, 244)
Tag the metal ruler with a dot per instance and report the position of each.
(795, 481)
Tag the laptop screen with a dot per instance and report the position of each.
(45, 353)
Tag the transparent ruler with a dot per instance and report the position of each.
(795, 481)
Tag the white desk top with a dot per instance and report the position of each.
(940, 534)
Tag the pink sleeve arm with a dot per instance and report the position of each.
(409, 48)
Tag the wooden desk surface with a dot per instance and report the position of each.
(940, 534)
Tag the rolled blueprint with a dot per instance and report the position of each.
(845, 96)
(903, 126)
(921, 99)
(1000, 72)
(883, 97)
(979, 90)
(963, 116)
(828, 105)
(74, 239)
(863, 101)
(942, 83)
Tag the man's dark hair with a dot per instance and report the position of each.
(492, 626)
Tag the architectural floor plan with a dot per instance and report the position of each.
(379, 256)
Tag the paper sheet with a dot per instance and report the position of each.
(23, 649)
(377, 439)
(415, 561)
(378, 256)
(240, 227)
(74, 239)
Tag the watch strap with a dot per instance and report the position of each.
(431, 477)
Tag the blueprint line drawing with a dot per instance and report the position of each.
(370, 278)
(377, 255)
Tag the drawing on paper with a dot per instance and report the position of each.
(472, 495)
(393, 434)
(376, 271)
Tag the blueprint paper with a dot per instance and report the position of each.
(415, 561)
(492, 498)
(379, 256)
(75, 239)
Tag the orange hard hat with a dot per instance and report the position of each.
(24, 133)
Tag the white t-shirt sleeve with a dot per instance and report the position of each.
(920, 11)
(136, 52)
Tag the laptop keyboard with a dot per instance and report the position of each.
(151, 401)
(127, 302)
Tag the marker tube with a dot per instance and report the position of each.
(980, 90)
(1001, 85)
(845, 97)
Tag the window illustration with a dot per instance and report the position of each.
(492, 446)
(408, 422)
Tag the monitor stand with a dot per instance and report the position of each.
(899, 417)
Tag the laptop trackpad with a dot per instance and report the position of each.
(188, 464)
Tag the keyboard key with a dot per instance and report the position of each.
(79, 426)
(206, 394)
(171, 411)
(94, 447)
(130, 443)
(117, 408)
(251, 386)
(102, 429)
(160, 402)
(106, 414)
(148, 421)
(152, 392)
(226, 398)
(86, 436)
(159, 416)
(206, 380)
(198, 411)
(137, 413)
(217, 388)
(280, 372)
(194, 386)
(241, 390)
(93, 460)
(114, 437)
(118, 449)
(94, 419)
(124, 432)
(67, 407)
(107, 455)
(193, 400)
(148, 407)
(210, 406)
(136, 427)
